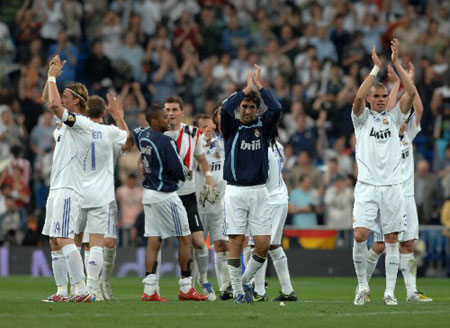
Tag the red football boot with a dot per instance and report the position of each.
(192, 295)
(153, 298)
(56, 299)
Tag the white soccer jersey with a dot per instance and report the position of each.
(72, 144)
(412, 129)
(190, 142)
(98, 165)
(215, 155)
(378, 153)
(278, 193)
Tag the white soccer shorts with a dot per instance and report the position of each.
(214, 224)
(411, 223)
(388, 201)
(61, 218)
(166, 219)
(93, 219)
(112, 224)
(278, 214)
(247, 210)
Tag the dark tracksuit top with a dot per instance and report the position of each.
(163, 166)
(246, 146)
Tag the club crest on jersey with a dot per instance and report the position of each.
(257, 133)
(217, 154)
(404, 142)
(385, 121)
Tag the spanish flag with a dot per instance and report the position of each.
(313, 239)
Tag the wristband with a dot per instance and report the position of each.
(375, 70)
(208, 174)
(51, 79)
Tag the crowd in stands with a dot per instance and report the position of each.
(314, 56)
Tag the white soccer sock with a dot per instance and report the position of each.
(75, 267)
(254, 264)
(60, 272)
(391, 264)
(280, 263)
(222, 273)
(185, 284)
(408, 266)
(360, 255)
(151, 284)
(86, 260)
(260, 278)
(372, 261)
(94, 267)
(247, 253)
(202, 258)
(235, 276)
(109, 259)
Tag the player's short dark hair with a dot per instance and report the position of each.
(379, 85)
(175, 99)
(201, 116)
(253, 96)
(79, 90)
(152, 112)
(95, 107)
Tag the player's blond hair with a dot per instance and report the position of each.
(78, 90)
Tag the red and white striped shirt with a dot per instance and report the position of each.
(190, 142)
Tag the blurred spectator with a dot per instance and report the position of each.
(304, 203)
(276, 62)
(340, 37)
(133, 54)
(150, 11)
(111, 35)
(94, 12)
(51, 16)
(41, 138)
(129, 200)
(12, 133)
(338, 202)
(211, 33)
(305, 137)
(164, 82)
(234, 35)
(427, 193)
(98, 70)
(304, 166)
(72, 15)
(128, 164)
(10, 223)
(68, 52)
(187, 31)
(223, 72)
(133, 103)
(325, 48)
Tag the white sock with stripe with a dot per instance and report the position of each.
(260, 277)
(391, 264)
(202, 258)
(360, 255)
(94, 267)
(60, 272)
(109, 259)
(222, 272)
(254, 264)
(75, 267)
(280, 263)
(372, 261)
(408, 266)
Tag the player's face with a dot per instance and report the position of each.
(67, 100)
(248, 110)
(378, 99)
(175, 114)
(163, 121)
(207, 127)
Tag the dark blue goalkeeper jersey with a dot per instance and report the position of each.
(246, 159)
(162, 165)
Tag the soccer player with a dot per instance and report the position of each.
(165, 215)
(190, 147)
(210, 201)
(98, 194)
(246, 170)
(73, 138)
(379, 188)
(278, 209)
(409, 129)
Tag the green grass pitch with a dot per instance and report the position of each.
(323, 302)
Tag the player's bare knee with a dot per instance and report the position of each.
(360, 234)
(391, 237)
(378, 247)
(54, 244)
(220, 246)
(272, 247)
(407, 247)
(109, 242)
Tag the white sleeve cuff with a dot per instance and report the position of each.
(65, 115)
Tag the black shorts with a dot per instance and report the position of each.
(190, 204)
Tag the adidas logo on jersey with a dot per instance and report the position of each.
(254, 145)
(383, 134)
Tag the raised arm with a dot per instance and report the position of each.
(393, 77)
(417, 103)
(273, 113)
(364, 89)
(407, 99)
(54, 99)
(115, 108)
